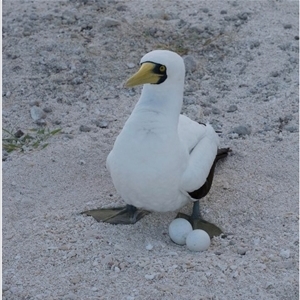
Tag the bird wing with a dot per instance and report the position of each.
(202, 144)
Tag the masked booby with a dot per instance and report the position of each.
(161, 159)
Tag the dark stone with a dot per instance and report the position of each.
(84, 128)
(101, 123)
(19, 133)
(47, 109)
(232, 108)
(242, 130)
(287, 26)
(243, 16)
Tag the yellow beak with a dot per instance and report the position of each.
(144, 75)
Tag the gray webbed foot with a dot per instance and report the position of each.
(198, 222)
(117, 215)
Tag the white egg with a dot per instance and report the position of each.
(198, 240)
(179, 230)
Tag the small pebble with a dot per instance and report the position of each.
(65, 247)
(132, 92)
(284, 47)
(130, 65)
(47, 109)
(243, 16)
(84, 128)
(279, 138)
(41, 122)
(291, 128)
(285, 253)
(241, 251)
(190, 63)
(75, 279)
(287, 118)
(269, 286)
(101, 4)
(233, 136)
(110, 22)
(216, 111)
(149, 276)
(206, 112)
(232, 108)
(212, 99)
(77, 80)
(274, 74)
(172, 253)
(101, 124)
(256, 241)
(37, 113)
(242, 130)
(95, 263)
(19, 133)
(149, 247)
(268, 127)
(33, 17)
(235, 274)
(122, 8)
(68, 17)
(52, 248)
(287, 26)
(5, 287)
(254, 44)
(27, 31)
(118, 247)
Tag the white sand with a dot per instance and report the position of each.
(64, 55)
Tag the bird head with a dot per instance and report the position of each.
(157, 67)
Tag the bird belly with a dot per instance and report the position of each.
(149, 180)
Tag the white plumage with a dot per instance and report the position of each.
(160, 155)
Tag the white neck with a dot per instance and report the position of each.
(160, 103)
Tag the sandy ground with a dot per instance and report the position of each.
(64, 63)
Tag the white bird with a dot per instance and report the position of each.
(161, 159)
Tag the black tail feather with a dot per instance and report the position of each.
(203, 190)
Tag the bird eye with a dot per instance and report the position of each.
(162, 69)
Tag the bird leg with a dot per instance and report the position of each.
(198, 222)
(117, 215)
(196, 214)
(195, 218)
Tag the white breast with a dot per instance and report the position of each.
(146, 166)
